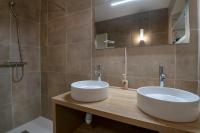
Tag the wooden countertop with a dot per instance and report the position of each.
(122, 106)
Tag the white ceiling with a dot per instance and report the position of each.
(103, 10)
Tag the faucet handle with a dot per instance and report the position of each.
(163, 76)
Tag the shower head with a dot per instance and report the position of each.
(11, 5)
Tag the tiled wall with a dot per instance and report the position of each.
(180, 62)
(199, 44)
(124, 30)
(20, 102)
(66, 46)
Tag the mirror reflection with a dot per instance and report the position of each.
(120, 23)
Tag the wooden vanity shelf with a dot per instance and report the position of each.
(72, 121)
(117, 114)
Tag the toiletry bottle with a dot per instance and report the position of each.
(124, 82)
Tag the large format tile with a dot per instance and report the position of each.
(6, 118)
(27, 110)
(29, 9)
(4, 10)
(79, 58)
(186, 62)
(55, 83)
(29, 33)
(28, 88)
(78, 5)
(193, 10)
(43, 35)
(56, 9)
(4, 54)
(5, 88)
(145, 61)
(112, 61)
(5, 31)
(79, 34)
(57, 32)
(79, 18)
(191, 86)
(54, 58)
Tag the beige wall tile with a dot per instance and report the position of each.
(186, 62)
(157, 23)
(112, 61)
(5, 89)
(136, 83)
(57, 32)
(4, 11)
(193, 14)
(29, 33)
(54, 58)
(145, 61)
(79, 18)
(191, 86)
(6, 118)
(32, 58)
(55, 83)
(5, 31)
(26, 110)
(43, 35)
(79, 58)
(56, 8)
(113, 80)
(4, 53)
(29, 10)
(29, 87)
(79, 34)
(78, 5)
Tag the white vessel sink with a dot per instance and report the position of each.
(89, 91)
(168, 104)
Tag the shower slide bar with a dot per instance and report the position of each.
(13, 64)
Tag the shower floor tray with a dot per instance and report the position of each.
(39, 125)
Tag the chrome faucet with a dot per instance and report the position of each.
(98, 72)
(162, 76)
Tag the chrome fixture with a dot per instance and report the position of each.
(18, 65)
(162, 76)
(98, 72)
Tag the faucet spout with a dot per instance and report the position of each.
(162, 76)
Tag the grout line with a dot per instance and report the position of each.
(10, 70)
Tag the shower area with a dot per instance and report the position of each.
(20, 76)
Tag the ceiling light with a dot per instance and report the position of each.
(120, 2)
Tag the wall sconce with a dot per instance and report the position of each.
(141, 35)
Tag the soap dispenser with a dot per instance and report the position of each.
(124, 82)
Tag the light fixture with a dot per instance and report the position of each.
(120, 2)
(141, 35)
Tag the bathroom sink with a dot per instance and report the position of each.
(168, 103)
(89, 91)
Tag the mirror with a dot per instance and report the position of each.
(120, 23)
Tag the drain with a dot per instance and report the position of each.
(25, 131)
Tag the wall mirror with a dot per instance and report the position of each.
(120, 23)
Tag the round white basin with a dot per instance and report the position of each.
(168, 103)
(89, 91)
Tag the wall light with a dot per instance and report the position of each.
(141, 35)
(121, 2)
